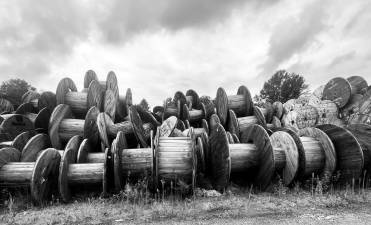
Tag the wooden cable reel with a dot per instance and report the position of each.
(73, 174)
(131, 164)
(340, 90)
(79, 102)
(108, 129)
(175, 107)
(193, 100)
(6, 106)
(194, 115)
(175, 161)
(20, 141)
(257, 152)
(63, 126)
(306, 116)
(39, 119)
(241, 103)
(13, 124)
(46, 99)
(209, 105)
(349, 154)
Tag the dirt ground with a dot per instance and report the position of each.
(302, 207)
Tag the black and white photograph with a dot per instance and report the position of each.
(185, 112)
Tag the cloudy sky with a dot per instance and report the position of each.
(159, 47)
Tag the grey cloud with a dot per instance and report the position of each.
(294, 35)
(342, 59)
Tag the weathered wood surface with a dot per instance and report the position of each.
(9, 154)
(193, 100)
(358, 83)
(278, 109)
(221, 104)
(338, 90)
(209, 105)
(328, 112)
(14, 124)
(363, 134)
(35, 145)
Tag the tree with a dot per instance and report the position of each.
(13, 90)
(283, 86)
(144, 104)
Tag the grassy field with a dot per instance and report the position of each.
(236, 206)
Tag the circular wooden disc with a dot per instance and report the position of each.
(112, 84)
(180, 125)
(269, 112)
(284, 141)
(219, 157)
(146, 116)
(84, 150)
(257, 135)
(318, 92)
(109, 105)
(200, 155)
(289, 120)
(104, 121)
(25, 108)
(9, 154)
(45, 175)
(357, 83)
(195, 98)
(36, 144)
(180, 99)
(327, 112)
(91, 131)
(307, 116)
(289, 106)
(90, 75)
(363, 133)
(168, 126)
(185, 112)
(352, 106)
(129, 97)
(278, 109)
(235, 139)
(16, 124)
(260, 116)
(205, 126)
(29, 96)
(59, 113)
(243, 90)
(21, 140)
(209, 105)
(64, 86)
(118, 145)
(338, 90)
(42, 119)
(68, 158)
(106, 173)
(308, 99)
(327, 146)
(348, 151)
(138, 127)
(276, 122)
(232, 124)
(95, 95)
(221, 103)
(47, 99)
(230, 138)
(214, 120)
(74, 144)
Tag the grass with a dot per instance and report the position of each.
(136, 205)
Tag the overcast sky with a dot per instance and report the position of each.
(159, 47)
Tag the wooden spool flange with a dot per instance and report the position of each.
(108, 129)
(80, 102)
(40, 176)
(209, 105)
(6, 106)
(131, 165)
(14, 124)
(194, 115)
(350, 160)
(241, 103)
(40, 119)
(20, 141)
(46, 99)
(176, 161)
(305, 116)
(175, 107)
(193, 100)
(63, 126)
(257, 151)
(77, 174)
(363, 133)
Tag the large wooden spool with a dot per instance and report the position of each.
(176, 161)
(257, 152)
(46, 99)
(209, 105)
(350, 160)
(79, 102)
(40, 176)
(131, 164)
(6, 106)
(363, 133)
(108, 130)
(13, 124)
(340, 90)
(39, 119)
(305, 116)
(194, 115)
(241, 103)
(193, 100)
(63, 126)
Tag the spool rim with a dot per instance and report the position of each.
(21, 140)
(42, 119)
(34, 146)
(213, 121)
(205, 126)
(186, 115)
(269, 108)
(104, 121)
(328, 147)
(358, 130)
(25, 108)
(243, 90)
(90, 75)
(47, 100)
(95, 95)
(9, 154)
(83, 151)
(233, 125)
(10, 126)
(64, 86)
(221, 104)
(138, 127)
(168, 126)
(195, 98)
(110, 104)
(118, 145)
(180, 99)
(46, 166)
(91, 129)
(219, 157)
(327, 91)
(260, 116)
(68, 158)
(266, 167)
(290, 170)
(105, 177)
(60, 112)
